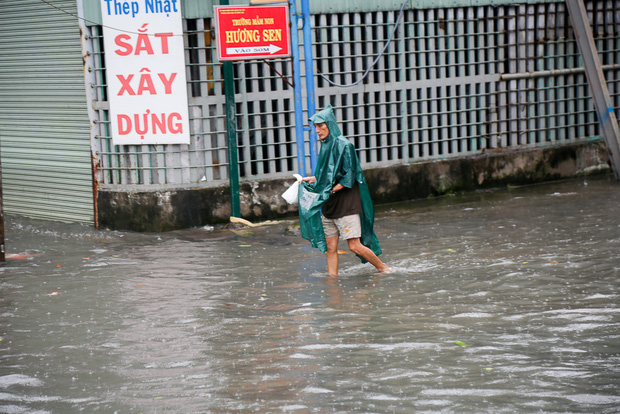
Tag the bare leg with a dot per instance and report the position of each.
(358, 248)
(332, 255)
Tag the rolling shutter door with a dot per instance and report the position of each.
(44, 125)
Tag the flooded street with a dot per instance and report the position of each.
(502, 301)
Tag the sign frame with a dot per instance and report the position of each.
(253, 2)
(245, 27)
(146, 74)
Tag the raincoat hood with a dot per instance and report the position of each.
(326, 116)
(337, 163)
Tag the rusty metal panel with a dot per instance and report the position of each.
(44, 125)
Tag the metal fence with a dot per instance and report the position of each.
(453, 82)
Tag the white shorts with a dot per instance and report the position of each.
(347, 227)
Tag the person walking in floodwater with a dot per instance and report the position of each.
(335, 202)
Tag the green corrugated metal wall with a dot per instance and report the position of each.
(195, 9)
(44, 125)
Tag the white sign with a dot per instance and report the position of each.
(145, 67)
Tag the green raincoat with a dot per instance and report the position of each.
(337, 164)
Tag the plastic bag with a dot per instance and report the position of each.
(291, 194)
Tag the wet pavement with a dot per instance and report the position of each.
(501, 301)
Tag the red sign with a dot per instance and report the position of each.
(252, 32)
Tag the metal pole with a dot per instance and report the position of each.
(596, 80)
(90, 84)
(299, 118)
(552, 72)
(309, 66)
(231, 133)
(2, 248)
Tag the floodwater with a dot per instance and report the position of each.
(503, 301)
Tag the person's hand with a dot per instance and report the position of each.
(335, 189)
(310, 180)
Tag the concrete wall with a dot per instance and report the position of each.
(261, 200)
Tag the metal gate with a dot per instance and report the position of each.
(44, 124)
(453, 82)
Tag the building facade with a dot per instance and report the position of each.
(456, 81)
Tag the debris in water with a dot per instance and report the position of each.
(19, 256)
(245, 222)
(461, 343)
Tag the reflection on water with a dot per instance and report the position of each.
(503, 301)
